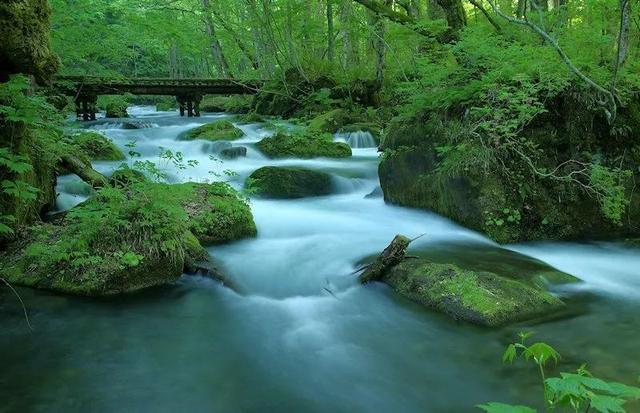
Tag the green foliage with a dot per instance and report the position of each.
(578, 391)
(609, 183)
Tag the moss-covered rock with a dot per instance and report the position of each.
(413, 173)
(303, 145)
(126, 239)
(483, 298)
(278, 182)
(330, 121)
(215, 131)
(502, 295)
(216, 213)
(166, 106)
(96, 146)
(116, 109)
(25, 48)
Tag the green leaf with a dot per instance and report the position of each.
(607, 404)
(494, 407)
(509, 354)
(541, 353)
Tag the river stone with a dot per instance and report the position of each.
(303, 145)
(215, 131)
(278, 182)
(234, 152)
(479, 297)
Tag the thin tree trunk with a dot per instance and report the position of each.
(216, 48)
(241, 45)
(330, 35)
(349, 55)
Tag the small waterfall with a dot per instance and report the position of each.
(358, 139)
(123, 124)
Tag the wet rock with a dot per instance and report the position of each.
(278, 182)
(479, 297)
(117, 109)
(124, 240)
(216, 147)
(215, 131)
(233, 152)
(303, 145)
(96, 146)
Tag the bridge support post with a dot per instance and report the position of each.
(181, 101)
(86, 107)
(190, 108)
(196, 105)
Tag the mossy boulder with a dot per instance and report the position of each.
(280, 182)
(96, 146)
(216, 213)
(126, 239)
(489, 298)
(215, 131)
(330, 121)
(303, 145)
(116, 109)
(413, 173)
(483, 298)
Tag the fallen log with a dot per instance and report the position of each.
(84, 171)
(391, 256)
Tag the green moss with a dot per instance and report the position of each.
(116, 108)
(96, 146)
(479, 297)
(330, 121)
(303, 145)
(25, 46)
(126, 239)
(126, 176)
(276, 182)
(166, 106)
(219, 130)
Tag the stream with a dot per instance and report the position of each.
(301, 334)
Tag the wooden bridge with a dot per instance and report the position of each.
(188, 92)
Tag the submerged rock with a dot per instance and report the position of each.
(303, 145)
(277, 182)
(215, 131)
(96, 146)
(479, 297)
(126, 239)
(234, 152)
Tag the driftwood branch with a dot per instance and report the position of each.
(391, 256)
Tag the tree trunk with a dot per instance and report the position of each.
(84, 171)
(349, 54)
(241, 45)
(455, 15)
(216, 49)
(330, 35)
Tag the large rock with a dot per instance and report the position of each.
(277, 182)
(215, 131)
(124, 240)
(477, 296)
(303, 145)
(96, 146)
(416, 172)
(234, 152)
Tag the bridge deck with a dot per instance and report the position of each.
(92, 85)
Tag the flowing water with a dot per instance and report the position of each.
(301, 334)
